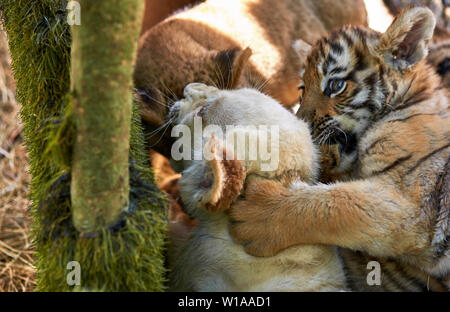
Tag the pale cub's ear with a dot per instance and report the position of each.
(212, 183)
(405, 42)
(230, 64)
(302, 48)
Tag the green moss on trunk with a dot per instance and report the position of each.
(126, 257)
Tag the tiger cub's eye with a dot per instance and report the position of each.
(336, 86)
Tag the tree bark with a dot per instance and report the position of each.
(103, 52)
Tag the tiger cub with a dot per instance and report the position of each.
(374, 97)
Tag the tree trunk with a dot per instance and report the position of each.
(103, 52)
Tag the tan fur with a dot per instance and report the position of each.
(395, 202)
(209, 259)
(206, 44)
(157, 10)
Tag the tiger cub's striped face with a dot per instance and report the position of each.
(354, 75)
(344, 88)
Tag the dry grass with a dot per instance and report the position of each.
(16, 252)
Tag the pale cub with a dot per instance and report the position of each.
(209, 260)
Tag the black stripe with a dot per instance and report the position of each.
(362, 34)
(383, 84)
(361, 65)
(417, 97)
(338, 70)
(354, 266)
(330, 60)
(355, 92)
(322, 49)
(385, 108)
(409, 104)
(424, 158)
(350, 284)
(412, 116)
(386, 275)
(371, 104)
(396, 163)
(336, 47)
(444, 67)
(371, 79)
(347, 39)
(411, 100)
(410, 278)
(403, 280)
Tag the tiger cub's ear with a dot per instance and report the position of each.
(214, 182)
(405, 42)
(230, 64)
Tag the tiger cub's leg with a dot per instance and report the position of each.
(361, 215)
